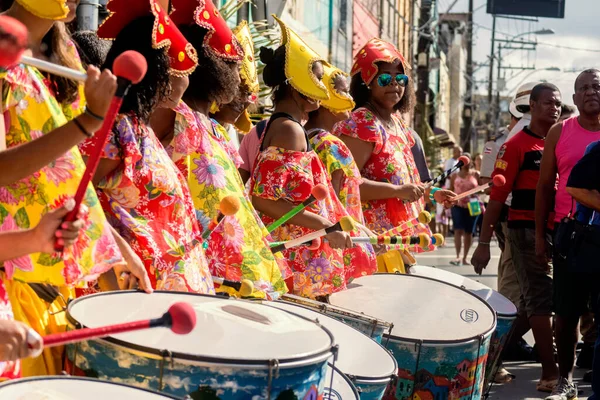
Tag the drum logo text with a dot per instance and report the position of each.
(469, 316)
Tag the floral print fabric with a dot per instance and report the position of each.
(145, 200)
(30, 112)
(392, 162)
(237, 248)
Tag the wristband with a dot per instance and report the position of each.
(93, 114)
(82, 128)
(485, 243)
(431, 193)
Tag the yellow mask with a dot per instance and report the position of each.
(299, 60)
(338, 101)
(248, 72)
(47, 9)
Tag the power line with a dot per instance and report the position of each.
(569, 47)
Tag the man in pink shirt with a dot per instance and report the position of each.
(565, 146)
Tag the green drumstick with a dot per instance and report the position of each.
(319, 192)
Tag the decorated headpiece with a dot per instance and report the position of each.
(338, 101)
(375, 51)
(47, 9)
(299, 60)
(184, 58)
(219, 39)
(248, 72)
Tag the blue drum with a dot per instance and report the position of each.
(368, 364)
(370, 326)
(441, 333)
(66, 387)
(238, 349)
(506, 312)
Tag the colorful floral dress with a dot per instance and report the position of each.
(336, 156)
(30, 112)
(145, 200)
(237, 248)
(392, 162)
(291, 176)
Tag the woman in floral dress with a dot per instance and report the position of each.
(237, 249)
(287, 170)
(139, 187)
(343, 172)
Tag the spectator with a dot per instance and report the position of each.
(519, 161)
(456, 153)
(565, 145)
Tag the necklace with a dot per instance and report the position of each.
(387, 124)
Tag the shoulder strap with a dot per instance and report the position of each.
(260, 127)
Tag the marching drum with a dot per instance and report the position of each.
(440, 337)
(340, 388)
(70, 388)
(238, 349)
(506, 312)
(368, 364)
(370, 326)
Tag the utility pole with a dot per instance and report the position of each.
(424, 42)
(490, 112)
(467, 135)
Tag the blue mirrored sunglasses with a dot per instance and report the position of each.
(385, 79)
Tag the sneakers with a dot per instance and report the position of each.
(565, 390)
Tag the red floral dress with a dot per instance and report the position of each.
(335, 155)
(392, 162)
(145, 200)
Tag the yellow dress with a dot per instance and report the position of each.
(31, 111)
(237, 249)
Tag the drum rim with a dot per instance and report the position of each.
(81, 378)
(346, 379)
(499, 314)
(284, 363)
(359, 317)
(462, 341)
(359, 378)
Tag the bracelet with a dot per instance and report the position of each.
(93, 114)
(485, 243)
(82, 128)
(431, 193)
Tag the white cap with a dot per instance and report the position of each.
(513, 110)
(521, 99)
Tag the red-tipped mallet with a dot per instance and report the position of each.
(180, 317)
(345, 224)
(462, 160)
(498, 181)
(130, 68)
(319, 192)
(229, 205)
(13, 42)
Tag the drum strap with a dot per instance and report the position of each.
(46, 292)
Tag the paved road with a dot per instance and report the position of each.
(522, 388)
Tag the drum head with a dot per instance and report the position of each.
(71, 388)
(420, 308)
(341, 389)
(503, 306)
(226, 329)
(358, 355)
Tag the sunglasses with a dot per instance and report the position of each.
(385, 79)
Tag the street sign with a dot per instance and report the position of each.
(531, 8)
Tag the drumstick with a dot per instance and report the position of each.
(245, 287)
(498, 181)
(229, 205)
(130, 68)
(462, 160)
(319, 192)
(421, 240)
(423, 218)
(180, 317)
(345, 224)
(14, 36)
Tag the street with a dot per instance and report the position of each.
(522, 388)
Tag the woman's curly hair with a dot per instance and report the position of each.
(214, 78)
(142, 98)
(361, 94)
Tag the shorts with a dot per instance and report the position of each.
(440, 214)
(575, 293)
(508, 284)
(535, 279)
(462, 220)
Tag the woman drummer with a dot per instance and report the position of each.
(337, 159)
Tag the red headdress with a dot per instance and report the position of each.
(376, 50)
(219, 38)
(165, 33)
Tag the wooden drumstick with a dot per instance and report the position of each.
(245, 287)
(498, 181)
(423, 218)
(345, 224)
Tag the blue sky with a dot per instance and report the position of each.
(579, 29)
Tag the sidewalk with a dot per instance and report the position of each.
(522, 388)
